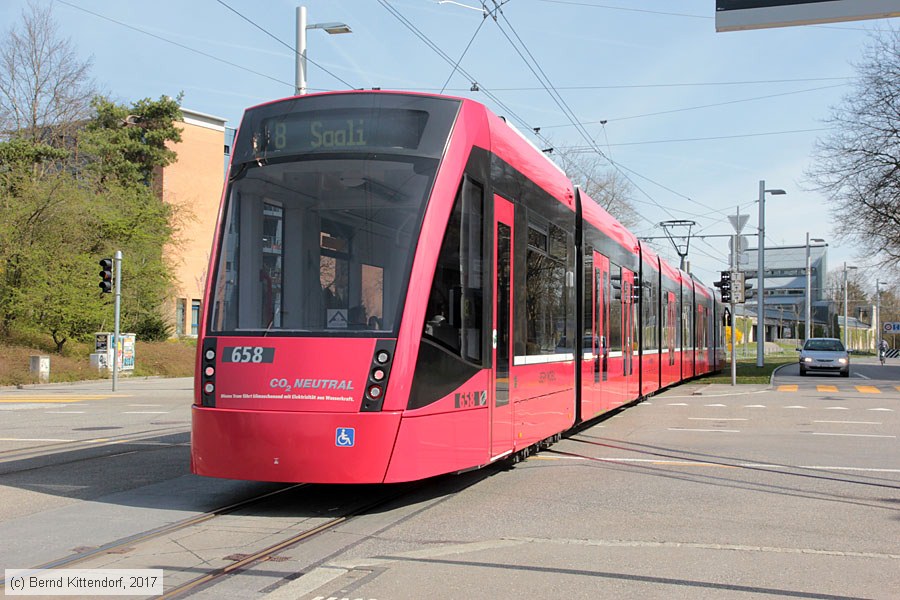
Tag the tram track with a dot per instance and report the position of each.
(142, 551)
(131, 541)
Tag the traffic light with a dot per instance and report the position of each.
(106, 275)
(724, 285)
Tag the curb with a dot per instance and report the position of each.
(775, 372)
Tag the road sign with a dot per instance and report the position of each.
(891, 327)
(738, 222)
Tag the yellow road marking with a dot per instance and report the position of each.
(53, 399)
(788, 388)
(867, 389)
(826, 388)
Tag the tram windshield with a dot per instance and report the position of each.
(323, 211)
(319, 245)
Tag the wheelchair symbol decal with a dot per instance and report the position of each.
(345, 437)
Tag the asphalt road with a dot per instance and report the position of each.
(704, 491)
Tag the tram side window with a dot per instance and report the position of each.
(615, 313)
(456, 303)
(545, 285)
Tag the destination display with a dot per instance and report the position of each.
(342, 129)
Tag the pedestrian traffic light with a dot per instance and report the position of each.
(106, 275)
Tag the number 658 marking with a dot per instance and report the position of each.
(248, 354)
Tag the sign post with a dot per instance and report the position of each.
(116, 339)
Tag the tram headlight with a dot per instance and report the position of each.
(210, 354)
(209, 387)
(374, 391)
(382, 356)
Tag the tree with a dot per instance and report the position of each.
(609, 188)
(45, 90)
(858, 164)
(55, 224)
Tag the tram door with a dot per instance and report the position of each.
(502, 408)
(600, 330)
(629, 341)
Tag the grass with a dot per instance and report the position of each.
(747, 371)
(173, 358)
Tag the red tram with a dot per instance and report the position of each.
(403, 286)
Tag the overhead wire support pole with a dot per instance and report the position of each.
(734, 281)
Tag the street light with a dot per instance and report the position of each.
(761, 277)
(878, 314)
(846, 324)
(809, 286)
(331, 28)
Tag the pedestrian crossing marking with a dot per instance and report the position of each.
(867, 389)
(863, 389)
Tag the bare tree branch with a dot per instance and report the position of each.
(45, 90)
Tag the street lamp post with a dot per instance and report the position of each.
(878, 332)
(846, 323)
(809, 286)
(300, 61)
(761, 277)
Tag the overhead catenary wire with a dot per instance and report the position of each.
(463, 55)
(168, 41)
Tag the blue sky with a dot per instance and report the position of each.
(694, 117)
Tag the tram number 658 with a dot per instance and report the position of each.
(248, 354)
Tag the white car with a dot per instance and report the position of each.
(824, 354)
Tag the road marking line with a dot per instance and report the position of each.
(862, 376)
(52, 399)
(146, 412)
(863, 469)
(788, 388)
(709, 430)
(795, 406)
(754, 406)
(867, 389)
(836, 408)
(882, 409)
(145, 405)
(678, 404)
(851, 422)
(855, 435)
(63, 412)
(680, 545)
(716, 405)
(715, 419)
(826, 388)
(34, 440)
